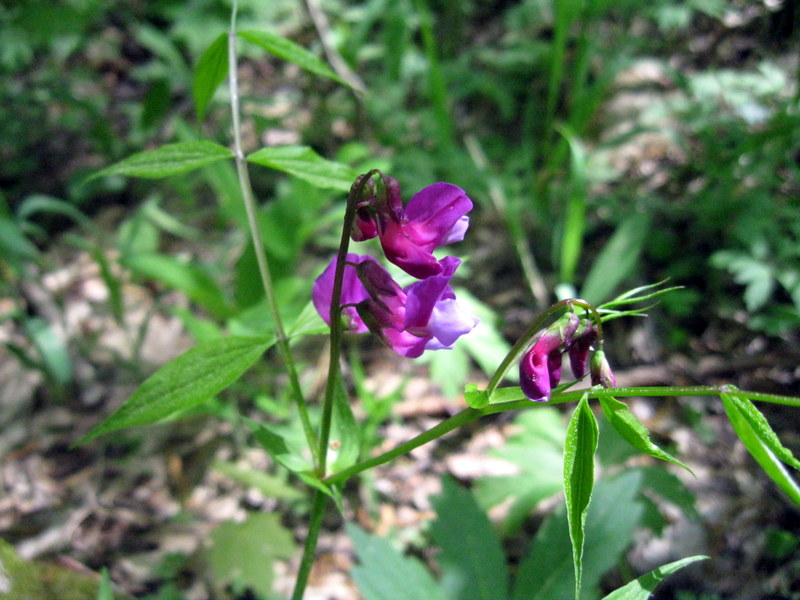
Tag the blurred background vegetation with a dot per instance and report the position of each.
(605, 143)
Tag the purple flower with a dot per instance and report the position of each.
(423, 316)
(540, 367)
(582, 341)
(352, 292)
(435, 216)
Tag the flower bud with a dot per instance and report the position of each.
(601, 371)
(582, 340)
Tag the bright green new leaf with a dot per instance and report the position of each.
(211, 70)
(471, 558)
(636, 434)
(385, 574)
(289, 51)
(642, 588)
(303, 162)
(474, 397)
(759, 450)
(579, 450)
(242, 554)
(168, 160)
(186, 381)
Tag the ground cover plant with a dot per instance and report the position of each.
(396, 270)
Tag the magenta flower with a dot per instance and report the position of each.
(582, 341)
(352, 293)
(540, 367)
(423, 316)
(435, 216)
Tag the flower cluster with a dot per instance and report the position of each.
(421, 316)
(540, 367)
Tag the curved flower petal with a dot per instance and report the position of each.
(449, 322)
(353, 292)
(435, 210)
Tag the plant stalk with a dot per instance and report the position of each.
(258, 244)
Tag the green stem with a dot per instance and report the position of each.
(258, 243)
(470, 414)
(318, 504)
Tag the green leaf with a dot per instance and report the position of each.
(345, 441)
(303, 162)
(210, 72)
(188, 278)
(289, 51)
(308, 323)
(282, 451)
(269, 485)
(579, 450)
(105, 591)
(642, 587)
(474, 397)
(186, 381)
(536, 450)
(759, 450)
(762, 428)
(13, 242)
(614, 514)
(51, 348)
(471, 557)
(636, 434)
(242, 554)
(168, 160)
(617, 259)
(385, 574)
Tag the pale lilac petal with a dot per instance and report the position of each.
(449, 322)
(457, 232)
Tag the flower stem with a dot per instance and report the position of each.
(318, 505)
(258, 243)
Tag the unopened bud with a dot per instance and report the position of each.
(582, 341)
(601, 371)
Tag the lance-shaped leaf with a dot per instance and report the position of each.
(303, 162)
(172, 159)
(579, 450)
(194, 376)
(762, 429)
(642, 587)
(289, 51)
(636, 434)
(210, 71)
(759, 450)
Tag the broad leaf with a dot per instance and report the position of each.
(471, 559)
(303, 162)
(536, 450)
(759, 450)
(548, 572)
(579, 450)
(168, 160)
(186, 381)
(51, 348)
(211, 70)
(643, 587)
(289, 51)
(242, 554)
(636, 434)
(385, 574)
